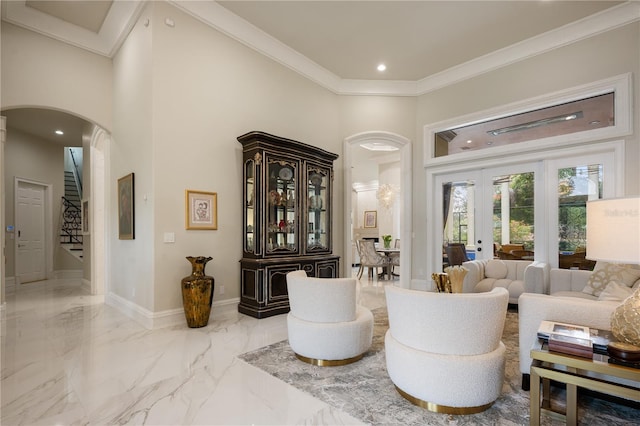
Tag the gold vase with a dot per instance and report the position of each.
(625, 320)
(443, 285)
(456, 277)
(197, 293)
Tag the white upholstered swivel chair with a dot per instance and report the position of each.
(444, 351)
(326, 327)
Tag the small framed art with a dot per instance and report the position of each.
(201, 210)
(370, 219)
(126, 217)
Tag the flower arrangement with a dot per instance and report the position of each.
(386, 239)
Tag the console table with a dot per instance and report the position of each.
(596, 374)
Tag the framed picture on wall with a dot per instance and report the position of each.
(370, 219)
(126, 225)
(201, 210)
(85, 217)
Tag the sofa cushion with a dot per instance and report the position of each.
(616, 292)
(495, 269)
(600, 278)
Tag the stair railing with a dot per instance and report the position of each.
(76, 173)
(71, 215)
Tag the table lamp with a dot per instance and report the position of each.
(613, 235)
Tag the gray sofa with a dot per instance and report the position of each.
(517, 276)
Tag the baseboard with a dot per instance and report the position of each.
(154, 320)
(65, 274)
(86, 285)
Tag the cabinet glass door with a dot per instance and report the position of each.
(282, 209)
(250, 208)
(317, 206)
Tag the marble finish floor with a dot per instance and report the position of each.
(69, 359)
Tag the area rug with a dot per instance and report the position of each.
(364, 390)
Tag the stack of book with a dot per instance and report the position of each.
(574, 339)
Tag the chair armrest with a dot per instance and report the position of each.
(473, 277)
(536, 278)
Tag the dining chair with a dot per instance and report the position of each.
(456, 253)
(370, 258)
(394, 259)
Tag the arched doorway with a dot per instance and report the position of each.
(37, 123)
(406, 230)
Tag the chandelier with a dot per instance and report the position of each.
(386, 195)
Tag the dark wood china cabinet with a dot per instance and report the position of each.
(287, 209)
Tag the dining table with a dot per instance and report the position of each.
(387, 251)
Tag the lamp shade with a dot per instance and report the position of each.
(613, 230)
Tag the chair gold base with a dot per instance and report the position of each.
(444, 409)
(329, 362)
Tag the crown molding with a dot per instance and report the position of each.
(124, 14)
(237, 28)
(116, 27)
(590, 26)
(220, 18)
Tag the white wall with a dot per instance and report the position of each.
(131, 273)
(389, 218)
(40, 71)
(196, 91)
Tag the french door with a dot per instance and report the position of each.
(533, 211)
(487, 208)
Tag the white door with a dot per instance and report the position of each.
(30, 232)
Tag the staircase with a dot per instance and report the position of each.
(71, 230)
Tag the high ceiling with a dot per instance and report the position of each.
(415, 39)
(339, 43)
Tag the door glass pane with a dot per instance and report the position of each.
(282, 210)
(576, 186)
(318, 218)
(250, 211)
(513, 216)
(458, 202)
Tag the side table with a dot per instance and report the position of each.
(596, 374)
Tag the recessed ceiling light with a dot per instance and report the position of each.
(382, 67)
(59, 132)
(469, 141)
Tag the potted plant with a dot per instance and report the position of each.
(386, 240)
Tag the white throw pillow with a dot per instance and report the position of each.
(616, 292)
(495, 269)
(600, 278)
